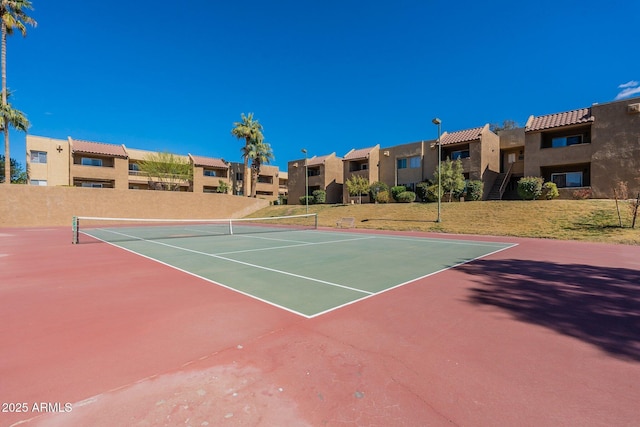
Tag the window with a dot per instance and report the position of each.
(567, 179)
(91, 185)
(565, 141)
(134, 167)
(209, 172)
(313, 172)
(239, 176)
(413, 162)
(41, 182)
(410, 186)
(460, 154)
(38, 157)
(88, 161)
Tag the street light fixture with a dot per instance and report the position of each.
(438, 123)
(306, 180)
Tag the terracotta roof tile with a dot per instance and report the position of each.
(318, 160)
(101, 148)
(462, 136)
(567, 118)
(362, 153)
(209, 162)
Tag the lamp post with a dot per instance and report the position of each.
(438, 123)
(306, 180)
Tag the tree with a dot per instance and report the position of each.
(170, 170)
(18, 176)
(357, 186)
(223, 187)
(251, 131)
(506, 125)
(13, 18)
(452, 178)
(376, 188)
(259, 152)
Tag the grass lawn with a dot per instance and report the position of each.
(589, 220)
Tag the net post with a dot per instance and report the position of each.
(231, 227)
(316, 222)
(74, 229)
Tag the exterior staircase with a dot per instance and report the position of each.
(499, 185)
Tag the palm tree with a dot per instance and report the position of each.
(251, 131)
(260, 153)
(13, 17)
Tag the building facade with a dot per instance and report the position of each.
(323, 173)
(593, 148)
(80, 163)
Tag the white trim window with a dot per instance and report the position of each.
(38, 156)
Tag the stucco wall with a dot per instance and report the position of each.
(616, 148)
(33, 206)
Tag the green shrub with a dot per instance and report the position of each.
(319, 197)
(383, 197)
(376, 188)
(474, 190)
(432, 193)
(406, 197)
(530, 187)
(550, 190)
(306, 200)
(422, 190)
(397, 190)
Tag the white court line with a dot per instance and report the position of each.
(293, 246)
(190, 273)
(412, 280)
(286, 273)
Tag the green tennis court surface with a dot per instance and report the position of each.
(307, 272)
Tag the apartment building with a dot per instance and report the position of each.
(209, 174)
(363, 162)
(594, 147)
(323, 173)
(99, 165)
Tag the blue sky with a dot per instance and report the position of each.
(325, 75)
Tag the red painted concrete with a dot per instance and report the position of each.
(546, 333)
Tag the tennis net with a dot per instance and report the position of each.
(124, 229)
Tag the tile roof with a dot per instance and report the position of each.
(574, 117)
(362, 153)
(209, 162)
(462, 136)
(318, 160)
(79, 146)
(137, 154)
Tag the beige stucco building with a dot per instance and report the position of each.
(364, 162)
(592, 148)
(71, 162)
(323, 172)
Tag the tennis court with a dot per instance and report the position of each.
(287, 262)
(541, 333)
